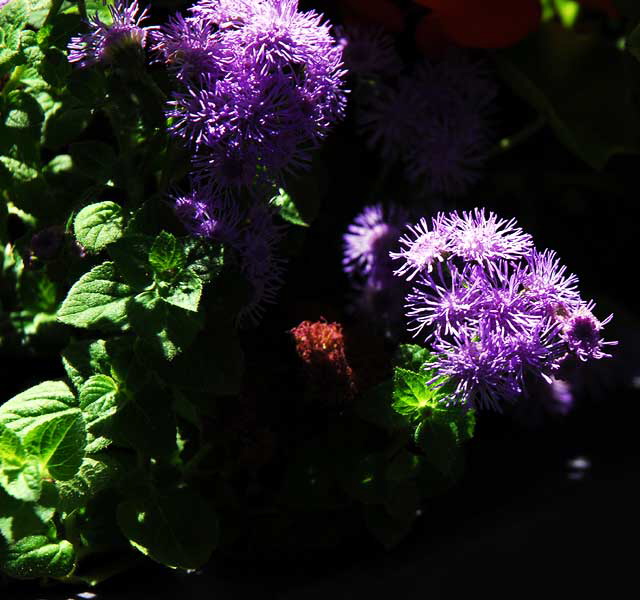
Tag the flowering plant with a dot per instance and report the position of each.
(174, 188)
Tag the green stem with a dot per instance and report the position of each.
(53, 11)
(82, 9)
(508, 143)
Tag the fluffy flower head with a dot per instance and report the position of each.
(100, 43)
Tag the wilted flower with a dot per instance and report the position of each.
(102, 41)
(321, 347)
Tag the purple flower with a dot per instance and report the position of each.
(487, 364)
(581, 331)
(368, 51)
(423, 247)
(441, 302)
(102, 41)
(546, 284)
(271, 87)
(495, 311)
(226, 14)
(436, 120)
(369, 239)
(187, 46)
(207, 214)
(481, 238)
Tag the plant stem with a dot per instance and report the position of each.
(508, 143)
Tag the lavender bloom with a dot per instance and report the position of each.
(100, 43)
(270, 88)
(441, 303)
(425, 249)
(545, 283)
(480, 238)
(187, 46)
(226, 14)
(209, 215)
(494, 310)
(369, 239)
(581, 331)
(368, 51)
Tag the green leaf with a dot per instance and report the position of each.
(363, 478)
(185, 292)
(13, 17)
(63, 125)
(130, 254)
(411, 356)
(37, 556)
(145, 422)
(20, 475)
(218, 354)
(98, 225)
(98, 399)
(46, 399)
(94, 159)
(411, 393)
(55, 68)
(83, 359)
(177, 529)
(440, 445)
(37, 11)
(58, 441)
(24, 116)
(95, 474)
(375, 406)
(166, 254)
(166, 330)
(580, 83)
(98, 299)
(287, 208)
(19, 519)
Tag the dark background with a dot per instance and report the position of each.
(528, 518)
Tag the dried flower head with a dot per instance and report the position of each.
(321, 347)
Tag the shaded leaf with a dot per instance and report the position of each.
(159, 526)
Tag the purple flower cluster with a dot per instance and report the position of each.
(260, 84)
(436, 120)
(493, 309)
(102, 41)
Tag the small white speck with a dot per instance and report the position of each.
(580, 463)
(86, 595)
(419, 512)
